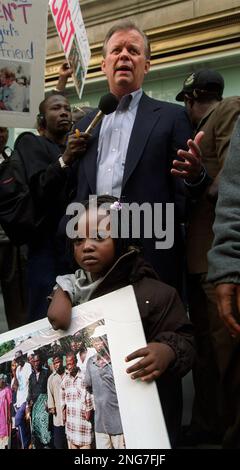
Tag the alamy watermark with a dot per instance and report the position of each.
(123, 220)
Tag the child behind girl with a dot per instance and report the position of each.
(107, 264)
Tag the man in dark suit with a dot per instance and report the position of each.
(130, 155)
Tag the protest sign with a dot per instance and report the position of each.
(23, 35)
(72, 33)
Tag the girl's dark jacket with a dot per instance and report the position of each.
(164, 320)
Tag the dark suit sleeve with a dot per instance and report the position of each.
(183, 126)
(182, 131)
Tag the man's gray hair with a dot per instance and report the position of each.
(127, 25)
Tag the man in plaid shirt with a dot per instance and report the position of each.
(77, 406)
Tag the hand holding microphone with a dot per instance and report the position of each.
(77, 141)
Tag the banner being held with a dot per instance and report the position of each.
(72, 33)
(23, 33)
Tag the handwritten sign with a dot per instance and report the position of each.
(23, 32)
(72, 33)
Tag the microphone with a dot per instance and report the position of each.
(107, 105)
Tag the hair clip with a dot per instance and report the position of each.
(116, 206)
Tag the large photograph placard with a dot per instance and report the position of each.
(102, 333)
(23, 35)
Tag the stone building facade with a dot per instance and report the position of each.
(185, 35)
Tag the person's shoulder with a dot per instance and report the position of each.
(163, 104)
(173, 106)
(28, 138)
(28, 367)
(154, 288)
(229, 103)
(91, 351)
(51, 377)
(160, 284)
(65, 377)
(91, 359)
(230, 99)
(225, 112)
(93, 356)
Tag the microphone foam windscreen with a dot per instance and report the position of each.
(108, 103)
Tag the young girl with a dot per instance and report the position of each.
(107, 264)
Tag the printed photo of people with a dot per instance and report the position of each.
(59, 391)
(76, 62)
(15, 78)
(73, 57)
(79, 79)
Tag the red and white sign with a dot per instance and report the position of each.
(72, 33)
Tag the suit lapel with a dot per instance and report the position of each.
(145, 119)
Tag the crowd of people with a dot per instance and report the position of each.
(146, 151)
(51, 402)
